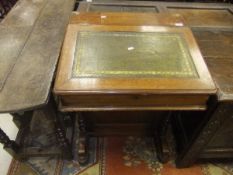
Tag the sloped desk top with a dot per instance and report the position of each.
(212, 24)
(121, 67)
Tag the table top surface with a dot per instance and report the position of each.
(123, 58)
(197, 15)
(31, 36)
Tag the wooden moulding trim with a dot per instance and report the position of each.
(131, 91)
(173, 108)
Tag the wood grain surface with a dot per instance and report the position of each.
(217, 49)
(110, 18)
(197, 15)
(31, 60)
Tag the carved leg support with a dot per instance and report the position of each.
(82, 142)
(10, 146)
(63, 141)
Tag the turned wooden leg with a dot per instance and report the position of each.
(10, 146)
(60, 129)
(63, 142)
(82, 142)
(160, 139)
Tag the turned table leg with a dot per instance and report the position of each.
(63, 141)
(10, 146)
(160, 138)
(83, 141)
(60, 130)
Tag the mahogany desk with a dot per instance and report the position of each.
(109, 64)
(204, 134)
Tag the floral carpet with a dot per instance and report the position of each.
(115, 156)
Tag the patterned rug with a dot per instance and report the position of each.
(115, 156)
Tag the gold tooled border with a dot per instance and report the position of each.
(187, 70)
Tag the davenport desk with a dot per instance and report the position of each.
(205, 135)
(114, 65)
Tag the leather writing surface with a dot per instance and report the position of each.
(132, 54)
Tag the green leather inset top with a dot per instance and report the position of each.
(132, 54)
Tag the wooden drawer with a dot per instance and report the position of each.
(132, 102)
